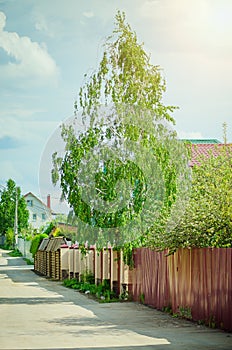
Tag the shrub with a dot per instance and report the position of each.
(10, 238)
(49, 229)
(35, 243)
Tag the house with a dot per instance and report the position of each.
(39, 213)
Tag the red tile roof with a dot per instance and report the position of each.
(205, 150)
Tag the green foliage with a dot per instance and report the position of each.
(35, 243)
(28, 233)
(10, 238)
(132, 89)
(71, 283)
(167, 309)
(71, 218)
(125, 76)
(211, 322)
(86, 285)
(15, 253)
(48, 229)
(28, 261)
(87, 278)
(142, 298)
(61, 218)
(7, 208)
(128, 248)
(207, 221)
(185, 312)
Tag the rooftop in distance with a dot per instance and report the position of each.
(205, 148)
(202, 141)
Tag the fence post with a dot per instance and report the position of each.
(111, 268)
(95, 266)
(102, 264)
(71, 267)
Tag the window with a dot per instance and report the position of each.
(34, 217)
(30, 203)
(43, 216)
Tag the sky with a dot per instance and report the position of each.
(46, 48)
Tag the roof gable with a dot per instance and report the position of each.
(34, 196)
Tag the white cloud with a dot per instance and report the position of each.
(9, 170)
(88, 14)
(19, 112)
(26, 130)
(190, 135)
(189, 26)
(32, 61)
(42, 25)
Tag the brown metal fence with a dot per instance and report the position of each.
(196, 282)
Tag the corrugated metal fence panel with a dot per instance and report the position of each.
(221, 288)
(149, 266)
(198, 280)
(180, 279)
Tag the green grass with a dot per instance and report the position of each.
(101, 292)
(15, 253)
(6, 247)
(28, 261)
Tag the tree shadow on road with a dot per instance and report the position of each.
(136, 347)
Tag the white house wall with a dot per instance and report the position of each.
(39, 213)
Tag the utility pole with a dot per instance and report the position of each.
(16, 217)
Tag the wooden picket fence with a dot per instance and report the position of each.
(56, 260)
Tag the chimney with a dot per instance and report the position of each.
(49, 201)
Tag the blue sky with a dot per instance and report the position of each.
(46, 47)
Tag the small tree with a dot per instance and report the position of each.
(8, 199)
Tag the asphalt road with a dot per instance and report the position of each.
(36, 313)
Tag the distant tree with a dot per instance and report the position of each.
(60, 218)
(134, 123)
(71, 218)
(8, 198)
(207, 221)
